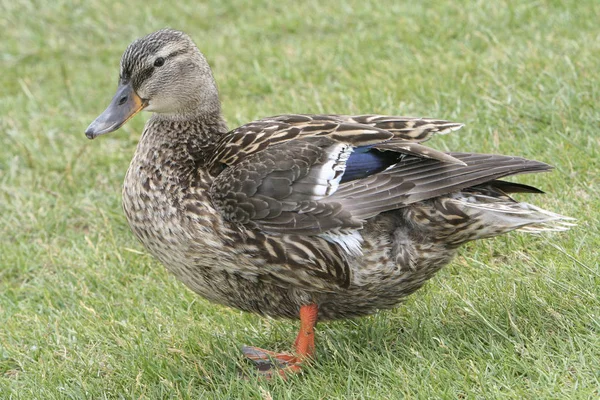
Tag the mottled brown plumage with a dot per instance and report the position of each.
(349, 214)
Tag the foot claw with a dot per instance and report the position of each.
(270, 363)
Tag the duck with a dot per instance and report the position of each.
(311, 217)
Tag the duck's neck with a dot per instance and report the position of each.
(180, 139)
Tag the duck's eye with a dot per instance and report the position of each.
(159, 62)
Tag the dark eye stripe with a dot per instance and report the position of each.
(142, 76)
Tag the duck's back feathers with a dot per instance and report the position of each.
(359, 130)
(416, 130)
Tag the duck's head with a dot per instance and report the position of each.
(163, 72)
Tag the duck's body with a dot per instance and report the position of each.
(169, 203)
(298, 213)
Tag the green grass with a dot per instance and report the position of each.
(84, 313)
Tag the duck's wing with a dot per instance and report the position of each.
(307, 176)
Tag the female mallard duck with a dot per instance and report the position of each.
(298, 216)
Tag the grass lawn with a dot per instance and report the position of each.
(86, 313)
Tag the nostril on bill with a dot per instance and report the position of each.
(122, 100)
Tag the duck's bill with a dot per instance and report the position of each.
(122, 108)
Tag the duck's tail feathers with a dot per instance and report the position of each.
(499, 215)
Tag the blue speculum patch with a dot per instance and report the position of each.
(366, 160)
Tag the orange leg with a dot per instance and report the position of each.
(305, 341)
(269, 362)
